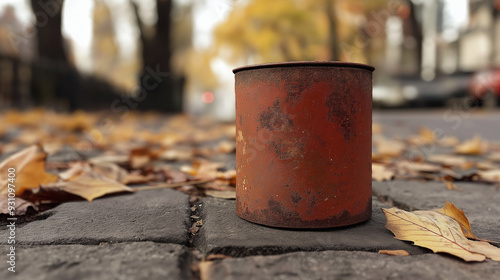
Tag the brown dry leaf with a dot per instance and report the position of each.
(438, 232)
(475, 146)
(137, 178)
(111, 171)
(174, 176)
(458, 215)
(89, 186)
(202, 168)
(394, 252)
(139, 157)
(179, 153)
(29, 165)
(77, 121)
(450, 186)
(221, 194)
(117, 159)
(376, 128)
(486, 165)
(492, 176)
(213, 257)
(494, 157)
(20, 209)
(412, 167)
(425, 136)
(84, 181)
(226, 147)
(448, 141)
(389, 148)
(74, 171)
(381, 173)
(447, 160)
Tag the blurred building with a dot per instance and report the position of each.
(434, 37)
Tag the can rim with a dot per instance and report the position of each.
(305, 63)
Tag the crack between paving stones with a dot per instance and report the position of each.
(196, 223)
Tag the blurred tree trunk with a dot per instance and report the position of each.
(51, 74)
(417, 34)
(332, 29)
(162, 89)
(50, 43)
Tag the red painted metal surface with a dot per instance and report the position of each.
(303, 144)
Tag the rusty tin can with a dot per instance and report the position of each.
(303, 144)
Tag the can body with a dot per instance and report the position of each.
(303, 144)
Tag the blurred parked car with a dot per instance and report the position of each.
(484, 86)
(412, 91)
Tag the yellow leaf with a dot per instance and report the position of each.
(376, 128)
(495, 157)
(492, 176)
(90, 188)
(471, 147)
(447, 160)
(86, 183)
(435, 231)
(381, 173)
(458, 215)
(394, 252)
(29, 165)
(221, 194)
(450, 186)
(389, 148)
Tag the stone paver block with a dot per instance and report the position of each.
(141, 260)
(155, 215)
(347, 265)
(223, 232)
(479, 201)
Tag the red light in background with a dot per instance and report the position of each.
(207, 97)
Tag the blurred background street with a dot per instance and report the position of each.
(176, 55)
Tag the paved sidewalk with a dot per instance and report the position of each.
(145, 236)
(149, 235)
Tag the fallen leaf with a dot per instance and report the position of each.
(29, 165)
(439, 233)
(458, 215)
(221, 194)
(381, 173)
(21, 207)
(448, 141)
(117, 159)
(111, 171)
(475, 146)
(177, 154)
(412, 166)
(139, 157)
(486, 165)
(426, 136)
(226, 147)
(492, 176)
(376, 128)
(213, 257)
(450, 186)
(74, 171)
(394, 252)
(389, 148)
(494, 157)
(88, 185)
(447, 160)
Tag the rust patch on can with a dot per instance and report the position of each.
(274, 119)
(340, 111)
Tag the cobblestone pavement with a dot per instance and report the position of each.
(147, 235)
